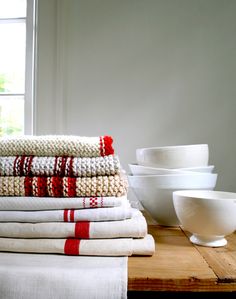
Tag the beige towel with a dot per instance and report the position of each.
(94, 247)
(56, 145)
(113, 185)
(135, 227)
(29, 203)
(69, 215)
(47, 276)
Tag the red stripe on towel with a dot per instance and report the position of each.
(28, 186)
(72, 215)
(108, 149)
(71, 247)
(15, 166)
(82, 230)
(57, 186)
(41, 187)
(65, 215)
(71, 187)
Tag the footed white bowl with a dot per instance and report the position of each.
(178, 156)
(155, 192)
(208, 215)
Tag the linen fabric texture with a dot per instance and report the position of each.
(45, 276)
(69, 215)
(136, 227)
(90, 247)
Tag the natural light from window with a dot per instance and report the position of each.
(12, 66)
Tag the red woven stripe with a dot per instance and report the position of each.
(28, 186)
(65, 215)
(14, 166)
(63, 166)
(71, 187)
(82, 230)
(108, 145)
(72, 247)
(72, 215)
(22, 161)
(57, 186)
(41, 190)
(30, 160)
(71, 167)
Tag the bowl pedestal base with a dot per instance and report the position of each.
(216, 241)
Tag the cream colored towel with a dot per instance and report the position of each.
(104, 214)
(27, 203)
(93, 247)
(113, 185)
(135, 227)
(56, 145)
(44, 276)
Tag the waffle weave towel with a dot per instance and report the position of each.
(63, 186)
(59, 166)
(93, 247)
(56, 145)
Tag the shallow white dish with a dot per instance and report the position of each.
(155, 192)
(208, 215)
(145, 170)
(179, 156)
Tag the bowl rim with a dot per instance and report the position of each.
(186, 169)
(169, 147)
(206, 195)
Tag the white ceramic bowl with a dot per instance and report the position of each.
(179, 156)
(145, 170)
(155, 192)
(208, 215)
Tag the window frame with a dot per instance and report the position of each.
(30, 64)
(30, 67)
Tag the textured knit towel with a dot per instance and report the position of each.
(20, 203)
(63, 186)
(44, 276)
(56, 146)
(105, 214)
(98, 247)
(59, 166)
(136, 227)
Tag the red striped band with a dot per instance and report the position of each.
(82, 230)
(65, 215)
(71, 247)
(72, 215)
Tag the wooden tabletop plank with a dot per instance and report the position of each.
(178, 265)
(222, 260)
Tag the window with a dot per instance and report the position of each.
(17, 39)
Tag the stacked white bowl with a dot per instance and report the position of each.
(162, 170)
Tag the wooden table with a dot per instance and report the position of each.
(178, 265)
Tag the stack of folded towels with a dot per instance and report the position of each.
(67, 195)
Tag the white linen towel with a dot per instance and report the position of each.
(93, 247)
(42, 276)
(97, 214)
(136, 227)
(27, 203)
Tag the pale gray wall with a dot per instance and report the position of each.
(149, 73)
